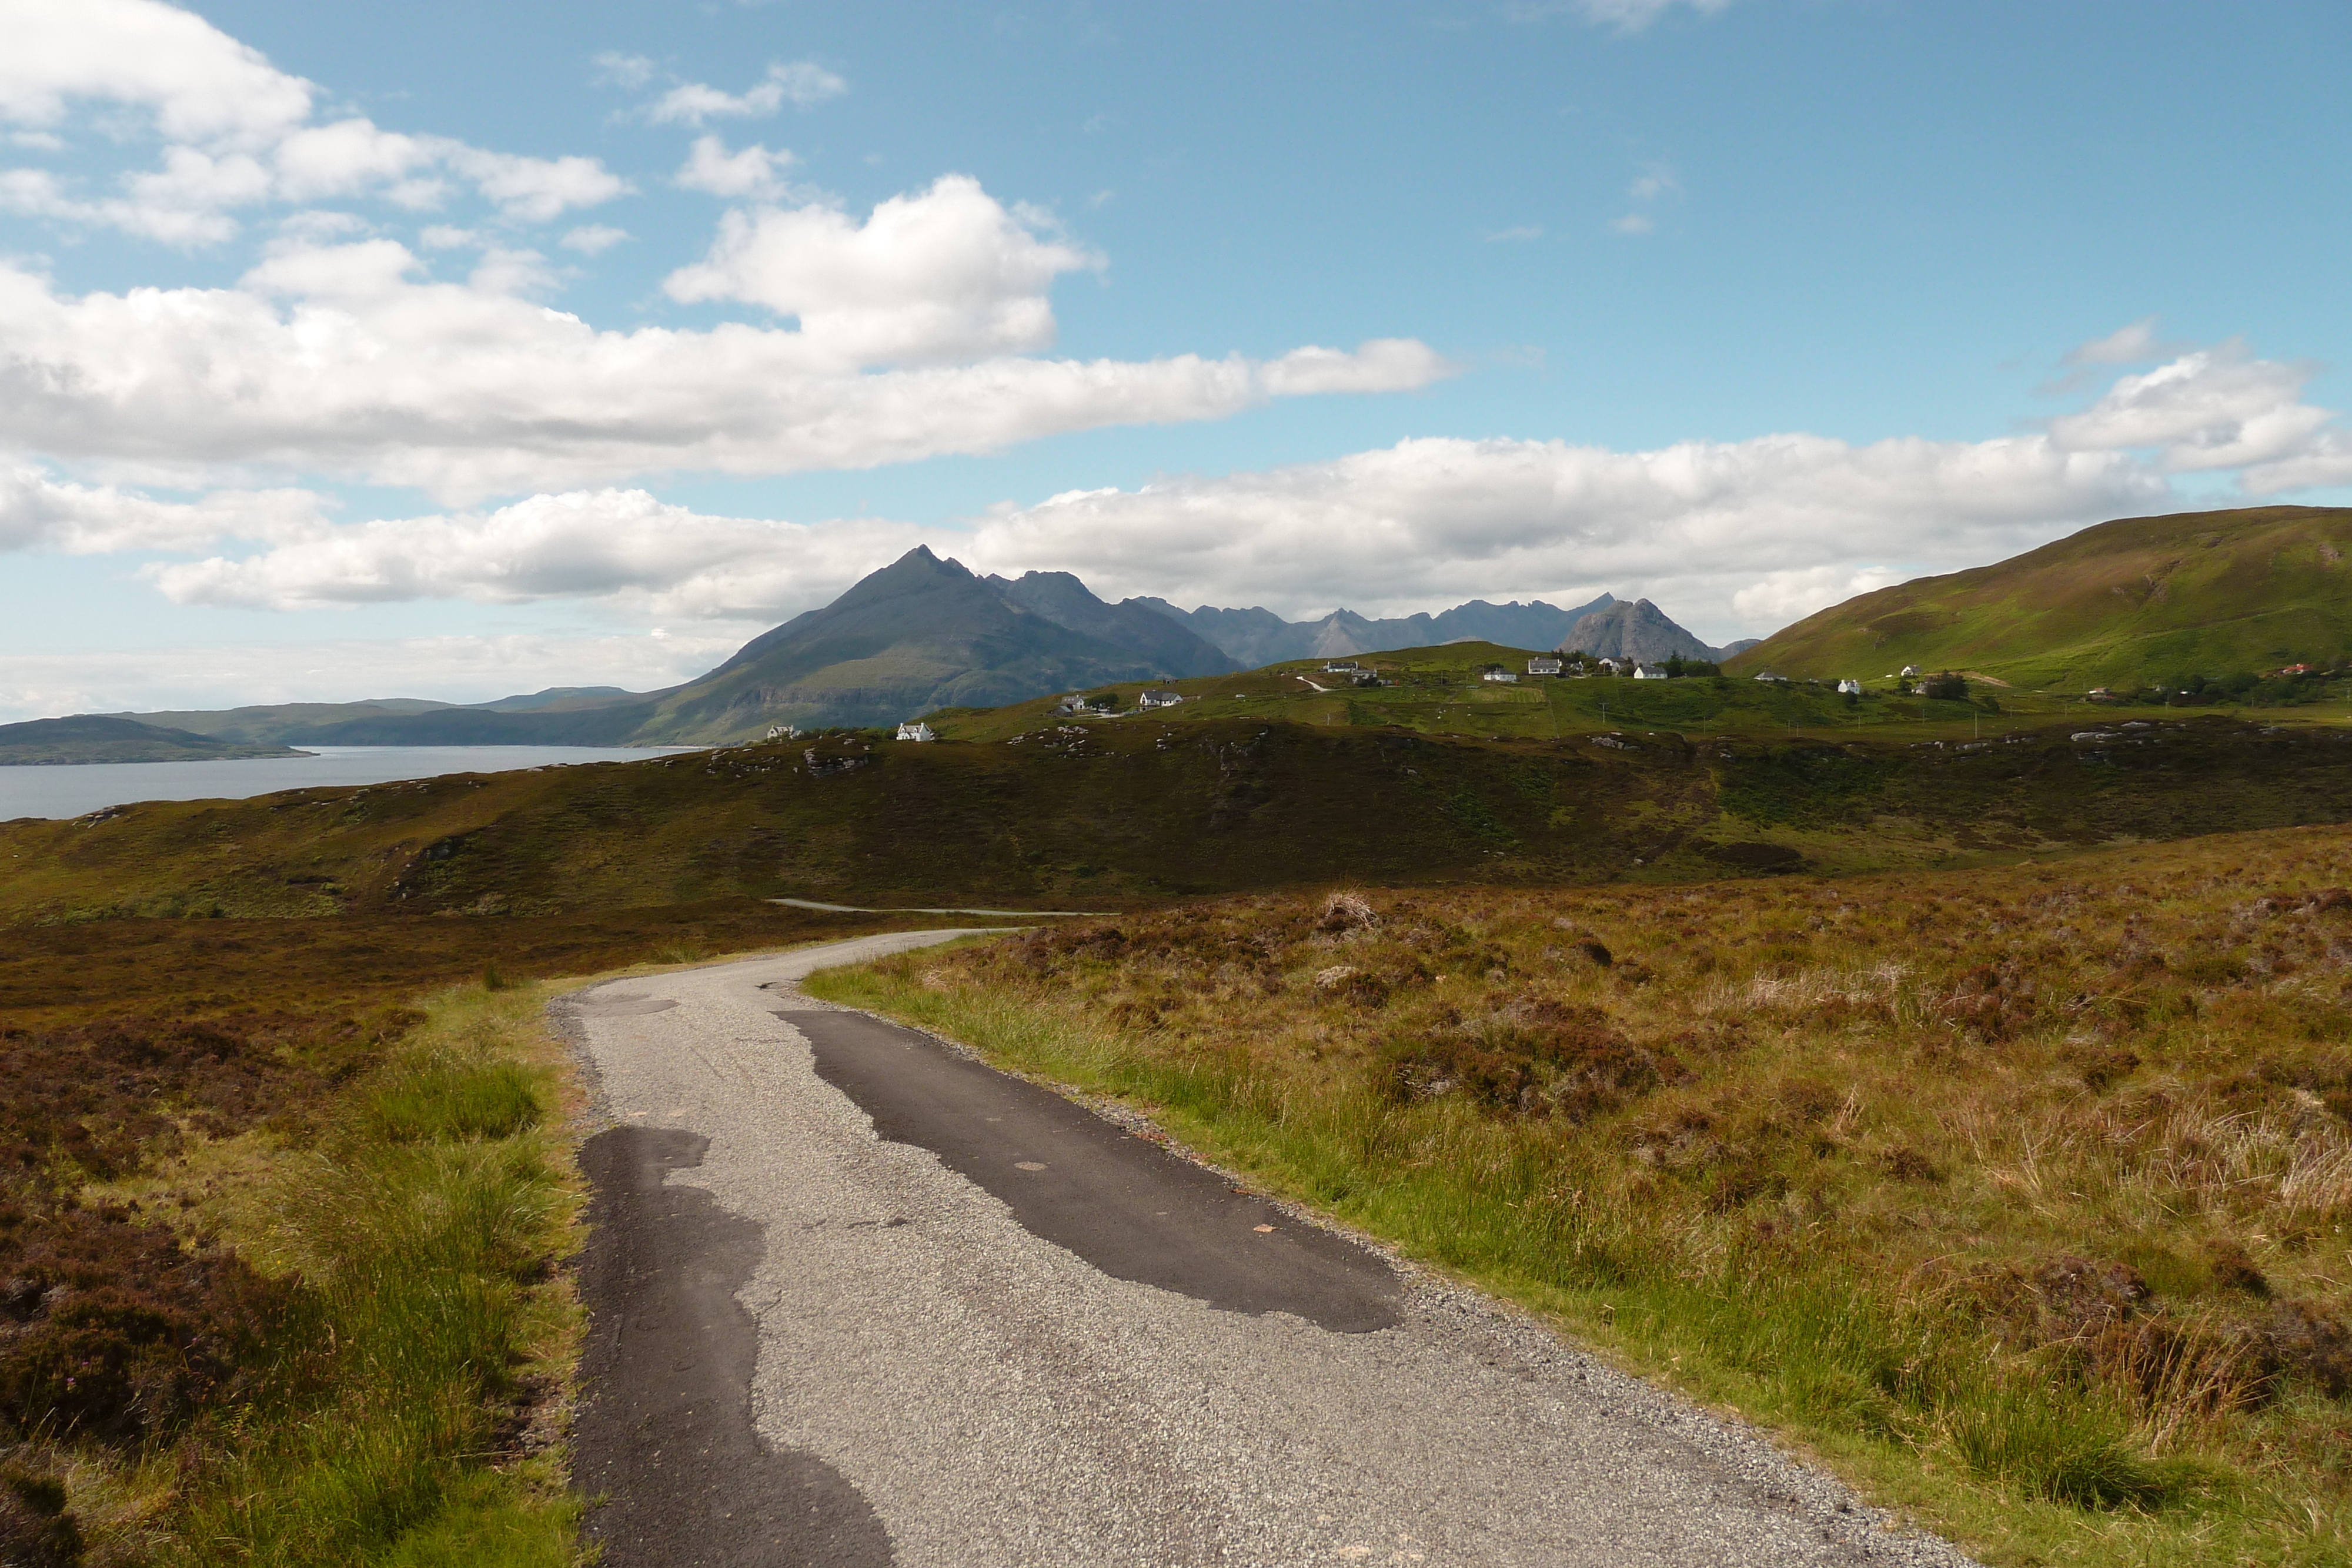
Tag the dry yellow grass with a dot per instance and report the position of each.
(2021, 1194)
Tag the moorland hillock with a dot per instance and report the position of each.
(1139, 809)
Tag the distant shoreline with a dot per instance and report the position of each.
(163, 757)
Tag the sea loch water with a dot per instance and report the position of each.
(71, 790)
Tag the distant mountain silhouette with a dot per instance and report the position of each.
(1257, 637)
(104, 737)
(1639, 630)
(1131, 624)
(920, 633)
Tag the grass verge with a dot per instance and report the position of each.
(324, 1321)
(410, 1410)
(2020, 1198)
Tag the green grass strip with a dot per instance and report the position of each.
(424, 1227)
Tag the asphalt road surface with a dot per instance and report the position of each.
(858, 1299)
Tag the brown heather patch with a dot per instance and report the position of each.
(130, 1331)
(2093, 1120)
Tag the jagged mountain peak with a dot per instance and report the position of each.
(1634, 630)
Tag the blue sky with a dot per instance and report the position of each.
(1744, 307)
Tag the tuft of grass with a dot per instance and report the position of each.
(456, 1101)
(2022, 1197)
(2057, 1450)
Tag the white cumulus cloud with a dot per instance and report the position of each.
(592, 239)
(1744, 534)
(202, 85)
(41, 511)
(237, 132)
(1783, 598)
(1433, 521)
(2214, 408)
(2128, 345)
(802, 83)
(946, 274)
(581, 544)
(345, 359)
(1733, 537)
(755, 171)
(617, 68)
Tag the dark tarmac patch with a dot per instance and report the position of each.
(665, 1437)
(1128, 1206)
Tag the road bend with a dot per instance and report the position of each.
(856, 1299)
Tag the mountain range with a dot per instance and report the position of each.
(1260, 637)
(2136, 599)
(920, 634)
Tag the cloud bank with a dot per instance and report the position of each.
(348, 360)
(1738, 536)
(456, 669)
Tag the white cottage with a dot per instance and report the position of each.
(915, 729)
(1543, 666)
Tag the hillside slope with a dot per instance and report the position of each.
(2138, 601)
(101, 737)
(1135, 810)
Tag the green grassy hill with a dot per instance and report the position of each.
(2142, 600)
